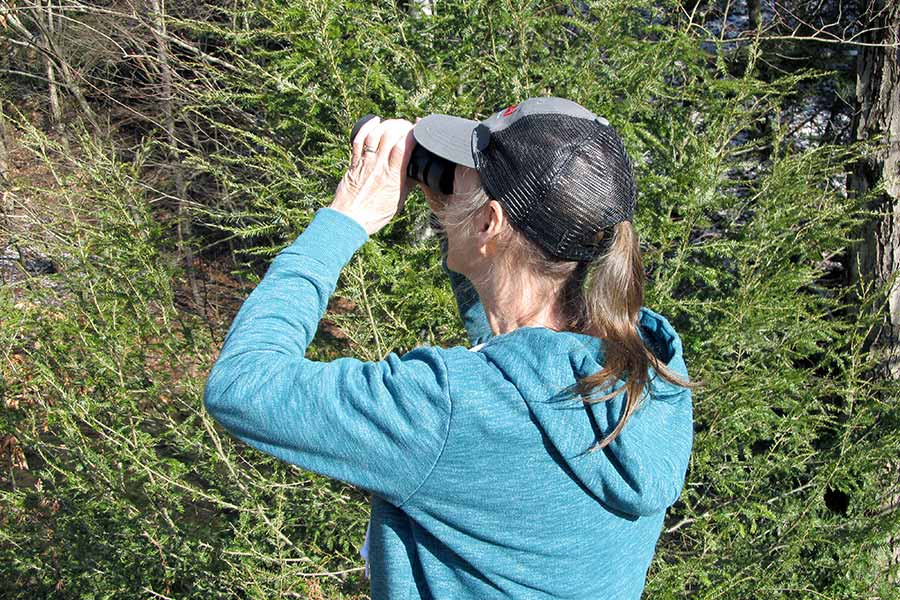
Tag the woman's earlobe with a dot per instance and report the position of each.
(487, 249)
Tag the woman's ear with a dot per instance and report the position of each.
(494, 219)
(490, 224)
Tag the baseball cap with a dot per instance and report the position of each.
(560, 172)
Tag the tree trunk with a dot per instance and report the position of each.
(158, 28)
(6, 204)
(56, 117)
(876, 259)
(753, 12)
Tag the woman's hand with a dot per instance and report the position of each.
(374, 188)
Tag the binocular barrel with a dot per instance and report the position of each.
(424, 166)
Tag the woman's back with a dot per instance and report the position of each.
(513, 505)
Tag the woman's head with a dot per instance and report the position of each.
(488, 248)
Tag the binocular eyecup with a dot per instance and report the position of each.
(424, 166)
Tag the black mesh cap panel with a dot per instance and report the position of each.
(561, 180)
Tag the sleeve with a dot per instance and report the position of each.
(470, 308)
(378, 425)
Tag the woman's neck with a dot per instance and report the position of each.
(519, 303)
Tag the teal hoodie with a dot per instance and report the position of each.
(481, 486)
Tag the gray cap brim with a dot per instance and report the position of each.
(448, 137)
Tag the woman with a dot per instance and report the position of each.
(538, 463)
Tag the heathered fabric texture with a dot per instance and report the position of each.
(480, 484)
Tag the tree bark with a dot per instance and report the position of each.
(876, 258)
(6, 205)
(753, 12)
(56, 117)
(157, 14)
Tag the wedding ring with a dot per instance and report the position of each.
(369, 149)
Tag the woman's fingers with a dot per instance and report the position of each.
(373, 139)
(400, 146)
(360, 141)
(393, 140)
(374, 189)
(372, 135)
(387, 136)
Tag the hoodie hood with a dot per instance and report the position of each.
(642, 471)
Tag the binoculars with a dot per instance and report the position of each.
(424, 167)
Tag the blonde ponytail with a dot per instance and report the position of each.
(604, 299)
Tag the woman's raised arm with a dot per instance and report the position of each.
(378, 425)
